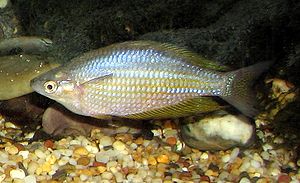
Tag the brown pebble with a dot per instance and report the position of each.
(49, 144)
(171, 141)
(284, 178)
(19, 146)
(169, 124)
(137, 156)
(124, 137)
(139, 141)
(205, 178)
(83, 161)
(185, 175)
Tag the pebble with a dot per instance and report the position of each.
(84, 161)
(171, 141)
(226, 158)
(119, 146)
(163, 159)
(106, 141)
(204, 156)
(107, 175)
(152, 160)
(3, 3)
(49, 144)
(11, 149)
(102, 157)
(40, 154)
(80, 151)
(17, 174)
(122, 158)
(30, 179)
(284, 178)
(244, 180)
(24, 154)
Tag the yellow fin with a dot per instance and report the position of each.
(185, 108)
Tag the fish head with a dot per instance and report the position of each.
(56, 85)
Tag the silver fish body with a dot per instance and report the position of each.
(134, 78)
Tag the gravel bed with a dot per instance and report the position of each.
(123, 158)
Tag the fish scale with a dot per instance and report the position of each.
(145, 79)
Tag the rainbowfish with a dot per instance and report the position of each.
(146, 80)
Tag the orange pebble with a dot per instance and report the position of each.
(171, 141)
(96, 163)
(163, 159)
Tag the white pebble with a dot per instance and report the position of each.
(107, 175)
(119, 177)
(133, 146)
(3, 157)
(101, 157)
(244, 166)
(106, 141)
(57, 154)
(32, 166)
(158, 180)
(267, 147)
(111, 164)
(75, 142)
(265, 155)
(226, 158)
(119, 146)
(92, 149)
(83, 177)
(30, 179)
(204, 156)
(72, 161)
(64, 160)
(2, 177)
(17, 174)
(244, 180)
(255, 164)
(40, 154)
(24, 154)
(66, 152)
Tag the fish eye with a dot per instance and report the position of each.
(50, 86)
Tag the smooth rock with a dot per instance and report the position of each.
(218, 131)
(30, 179)
(119, 146)
(17, 174)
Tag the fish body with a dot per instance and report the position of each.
(140, 79)
(17, 71)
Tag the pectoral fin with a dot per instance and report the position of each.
(97, 79)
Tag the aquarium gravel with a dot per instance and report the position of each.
(124, 158)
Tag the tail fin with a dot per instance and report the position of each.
(240, 93)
